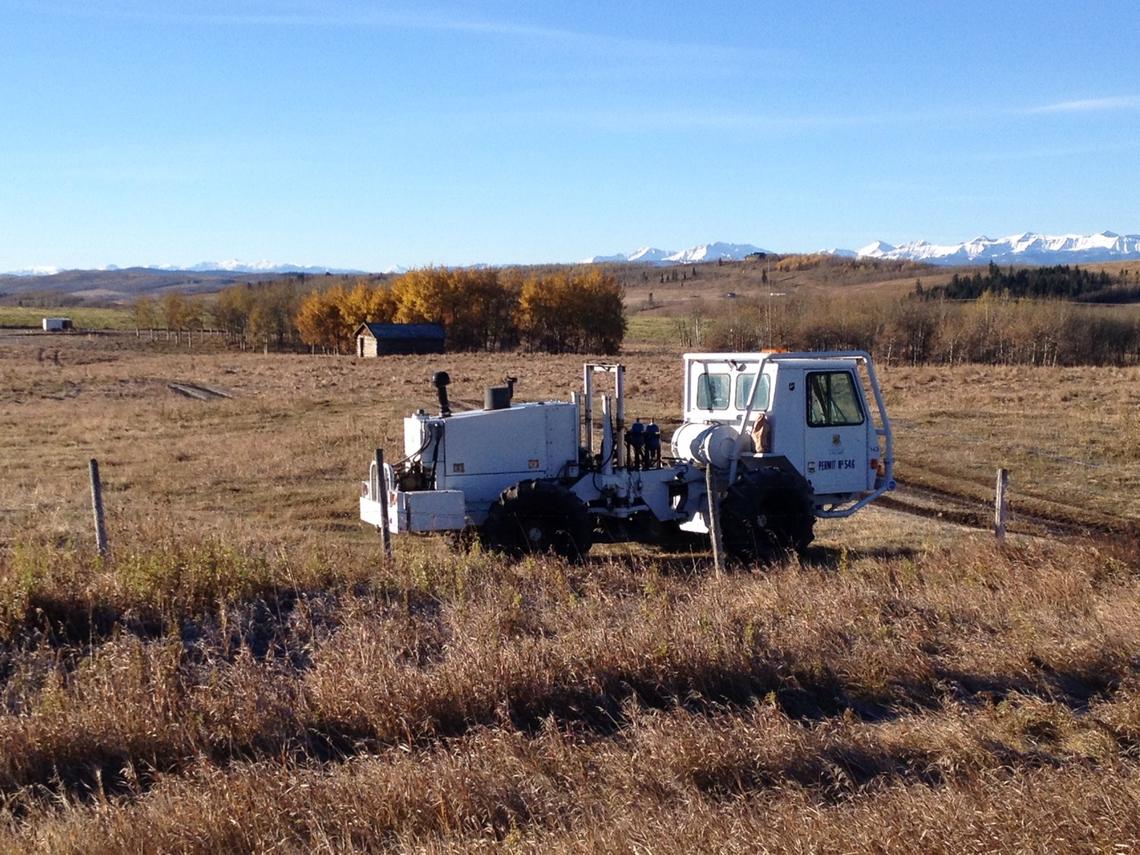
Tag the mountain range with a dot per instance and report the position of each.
(1025, 248)
(231, 265)
(717, 251)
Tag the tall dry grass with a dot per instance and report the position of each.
(542, 702)
(747, 781)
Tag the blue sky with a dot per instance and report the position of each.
(368, 134)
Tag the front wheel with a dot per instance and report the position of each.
(764, 516)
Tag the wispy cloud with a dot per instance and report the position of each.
(704, 118)
(1090, 105)
(1055, 152)
(422, 17)
(680, 120)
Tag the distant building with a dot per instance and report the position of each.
(57, 324)
(385, 339)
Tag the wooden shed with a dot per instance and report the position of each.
(382, 339)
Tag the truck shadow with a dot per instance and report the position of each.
(699, 562)
(834, 557)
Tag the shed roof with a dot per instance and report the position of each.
(378, 331)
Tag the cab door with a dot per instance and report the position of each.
(835, 441)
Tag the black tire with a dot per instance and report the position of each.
(538, 517)
(765, 515)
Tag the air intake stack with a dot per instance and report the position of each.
(499, 397)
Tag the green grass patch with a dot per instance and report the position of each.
(659, 329)
(82, 318)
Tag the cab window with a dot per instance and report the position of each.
(712, 391)
(833, 400)
(744, 389)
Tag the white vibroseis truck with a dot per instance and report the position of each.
(780, 439)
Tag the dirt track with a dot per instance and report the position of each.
(968, 511)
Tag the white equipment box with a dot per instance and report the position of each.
(428, 510)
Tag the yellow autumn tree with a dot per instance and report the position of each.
(145, 313)
(233, 308)
(366, 303)
(320, 321)
(538, 312)
(178, 311)
(330, 318)
(572, 312)
(474, 306)
(598, 306)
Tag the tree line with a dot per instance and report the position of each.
(1059, 281)
(252, 313)
(481, 309)
(995, 328)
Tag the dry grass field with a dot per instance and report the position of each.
(245, 672)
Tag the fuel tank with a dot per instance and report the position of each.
(705, 443)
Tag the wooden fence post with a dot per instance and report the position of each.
(1001, 504)
(97, 508)
(714, 519)
(382, 490)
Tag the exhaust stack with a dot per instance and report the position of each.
(441, 380)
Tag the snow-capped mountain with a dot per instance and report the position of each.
(649, 254)
(714, 252)
(1025, 248)
(645, 254)
(702, 252)
(617, 258)
(35, 271)
(233, 265)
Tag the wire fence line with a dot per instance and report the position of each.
(973, 439)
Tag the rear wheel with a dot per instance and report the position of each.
(537, 517)
(765, 515)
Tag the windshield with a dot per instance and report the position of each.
(744, 389)
(712, 391)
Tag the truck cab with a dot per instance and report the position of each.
(823, 411)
